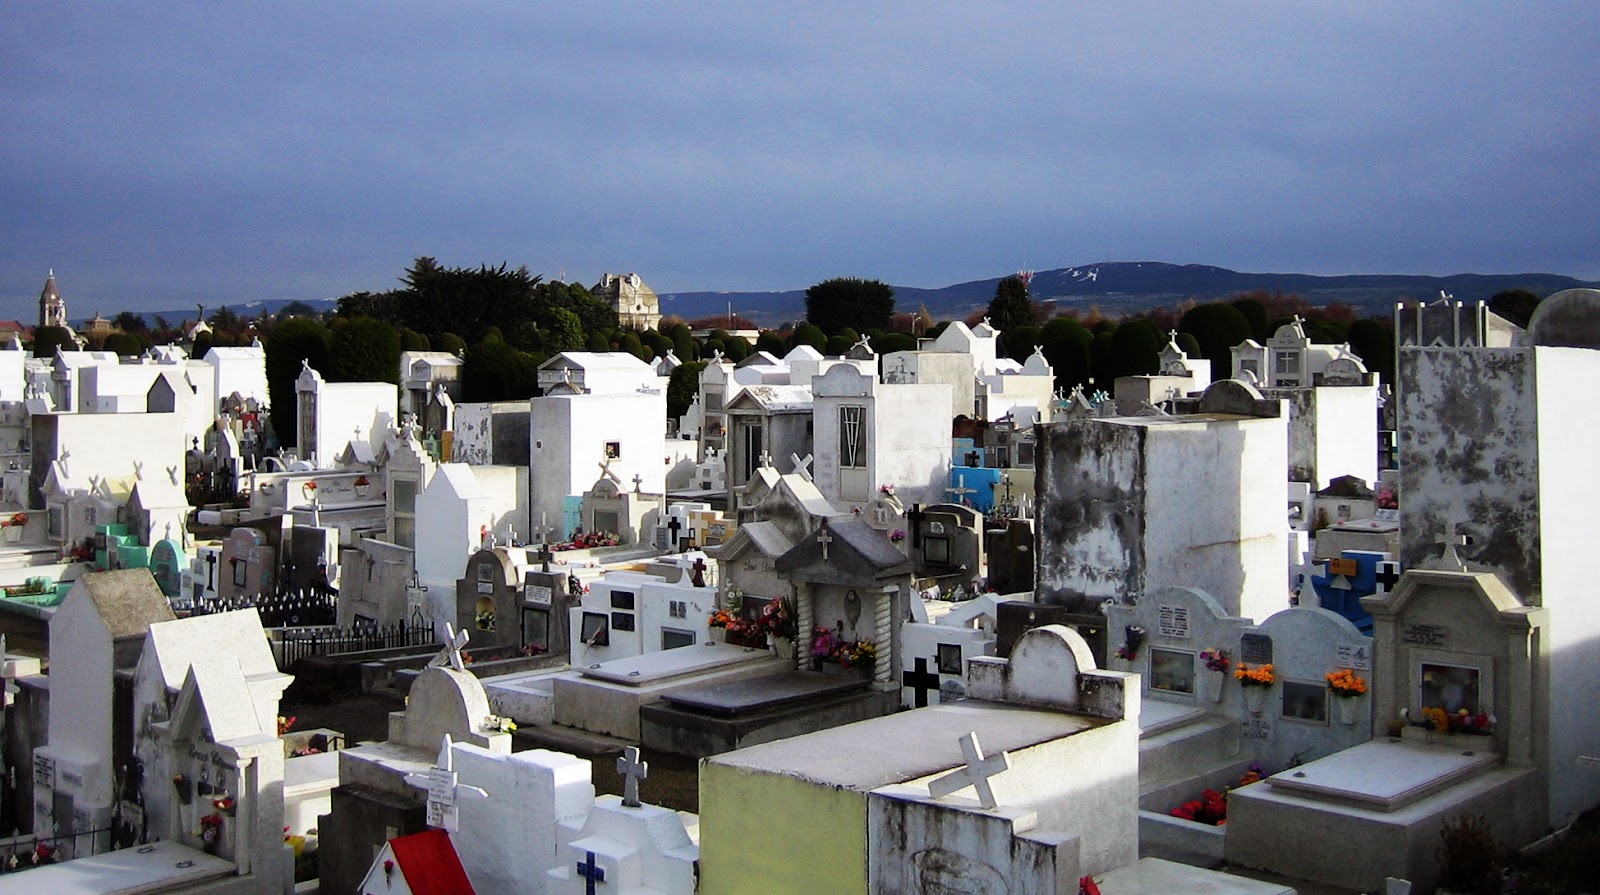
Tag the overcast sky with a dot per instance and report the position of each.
(163, 154)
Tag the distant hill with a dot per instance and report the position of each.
(1115, 287)
(1122, 287)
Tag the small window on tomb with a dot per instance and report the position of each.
(613, 450)
(949, 658)
(536, 629)
(1451, 687)
(1171, 670)
(606, 520)
(241, 572)
(671, 638)
(936, 549)
(483, 614)
(596, 629)
(852, 437)
(622, 621)
(1304, 701)
(622, 599)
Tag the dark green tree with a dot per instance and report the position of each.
(124, 344)
(1012, 308)
(682, 386)
(444, 299)
(860, 304)
(377, 305)
(1516, 305)
(682, 342)
(365, 350)
(593, 314)
(1020, 342)
(449, 342)
(225, 320)
(495, 371)
(1066, 347)
(1137, 344)
(202, 343)
(1103, 360)
(411, 340)
(288, 344)
(1255, 312)
(772, 343)
(129, 322)
(837, 345)
(809, 334)
(1372, 340)
(1217, 328)
(562, 331)
(302, 309)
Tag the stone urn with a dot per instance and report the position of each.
(1346, 709)
(1211, 686)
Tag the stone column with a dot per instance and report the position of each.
(883, 639)
(804, 622)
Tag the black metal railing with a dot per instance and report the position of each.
(298, 643)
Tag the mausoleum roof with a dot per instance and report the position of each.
(128, 600)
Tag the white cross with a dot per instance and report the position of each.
(1451, 541)
(975, 773)
(824, 539)
(960, 490)
(802, 468)
(454, 642)
(443, 789)
(632, 770)
(765, 459)
(605, 470)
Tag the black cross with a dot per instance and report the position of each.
(921, 680)
(914, 516)
(591, 872)
(673, 525)
(1387, 574)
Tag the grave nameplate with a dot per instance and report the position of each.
(44, 771)
(1255, 649)
(539, 595)
(1255, 729)
(1174, 621)
(1425, 635)
(1355, 658)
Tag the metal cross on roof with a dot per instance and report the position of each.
(637, 481)
(454, 642)
(632, 770)
(605, 470)
(824, 539)
(444, 789)
(765, 459)
(975, 773)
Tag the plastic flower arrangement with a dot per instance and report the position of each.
(886, 490)
(777, 619)
(1462, 721)
(1211, 808)
(897, 536)
(499, 724)
(722, 618)
(1346, 684)
(828, 646)
(1216, 659)
(15, 520)
(1257, 676)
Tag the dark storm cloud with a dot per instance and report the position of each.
(164, 154)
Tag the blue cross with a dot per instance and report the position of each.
(591, 873)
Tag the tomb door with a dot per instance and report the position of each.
(854, 474)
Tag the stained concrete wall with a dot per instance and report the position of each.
(1091, 511)
(1333, 431)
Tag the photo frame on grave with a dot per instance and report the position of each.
(1172, 671)
(1451, 687)
(936, 549)
(752, 606)
(622, 621)
(949, 658)
(613, 450)
(673, 638)
(1305, 701)
(606, 520)
(595, 629)
(622, 599)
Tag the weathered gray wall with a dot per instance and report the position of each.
(1091, 511)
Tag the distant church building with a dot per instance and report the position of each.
(636, 304)
(52, 310)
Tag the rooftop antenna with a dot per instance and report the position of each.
(1026, 276)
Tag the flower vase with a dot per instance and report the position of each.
(1210, 686)
(719, 635)
(1347, 709)
(782, 647)
(1255, 699)
(363, 490)
(13, 533)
